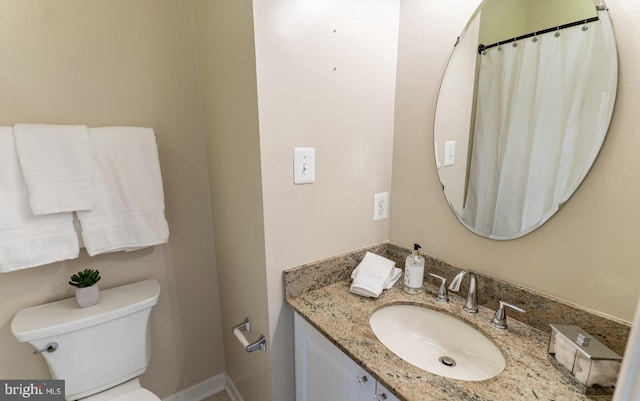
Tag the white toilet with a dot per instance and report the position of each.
(99, 351)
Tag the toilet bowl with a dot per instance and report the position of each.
(99, 351)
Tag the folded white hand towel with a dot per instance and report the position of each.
(393, 278)
(372, 275)
(129, 209)
(56, 166)
(27, 240)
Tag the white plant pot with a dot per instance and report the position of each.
(87, 296)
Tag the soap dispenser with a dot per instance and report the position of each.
(414, 272)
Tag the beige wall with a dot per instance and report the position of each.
(502, 19)
(586, 254)
(129, 62)
(326, 79)
(263, 223)
(226, 61)
(506, 19)
(548, 13)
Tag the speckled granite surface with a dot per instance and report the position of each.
(301, 279)
(343, 318)
(541, 309)
(319, 292)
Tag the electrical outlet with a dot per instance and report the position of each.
(380, 206)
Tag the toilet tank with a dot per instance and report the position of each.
(100, 346)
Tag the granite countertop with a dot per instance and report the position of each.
(343, 318)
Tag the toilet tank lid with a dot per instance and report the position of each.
(64, 316)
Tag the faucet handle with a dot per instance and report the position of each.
(499, 320)
(443, 294)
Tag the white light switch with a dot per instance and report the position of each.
(304, 165)
(380, 206)
(449, 153)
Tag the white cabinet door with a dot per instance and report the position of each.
(382, 394)
(323, 372)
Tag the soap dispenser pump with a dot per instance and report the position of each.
(414, 272)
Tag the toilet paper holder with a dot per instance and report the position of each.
(245, 327)
(591, 363)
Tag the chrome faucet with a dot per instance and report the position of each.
(499, 320)
(471, 304)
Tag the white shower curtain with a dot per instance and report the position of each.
(537, 129)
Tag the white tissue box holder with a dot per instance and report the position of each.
(594, 366)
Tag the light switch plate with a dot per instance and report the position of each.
(449, 153)
(304, 165)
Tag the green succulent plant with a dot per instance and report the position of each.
(85, 278)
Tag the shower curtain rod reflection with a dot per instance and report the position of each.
(482, 47)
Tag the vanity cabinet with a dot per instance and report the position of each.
(324, 373)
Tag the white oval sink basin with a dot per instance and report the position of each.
(437, 342)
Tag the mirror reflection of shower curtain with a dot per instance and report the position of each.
(534, 130)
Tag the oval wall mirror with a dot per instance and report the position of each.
(523, 110)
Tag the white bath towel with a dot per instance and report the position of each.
(129, 208)
(27, 240)
(56, 166)
(374, 274)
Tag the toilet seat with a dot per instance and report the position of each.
(140, 394)
(128, 391)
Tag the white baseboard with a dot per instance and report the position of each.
(202, 390)
(232, 390)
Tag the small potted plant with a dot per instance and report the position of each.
(87, 292)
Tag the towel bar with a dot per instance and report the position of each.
(245, 326)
